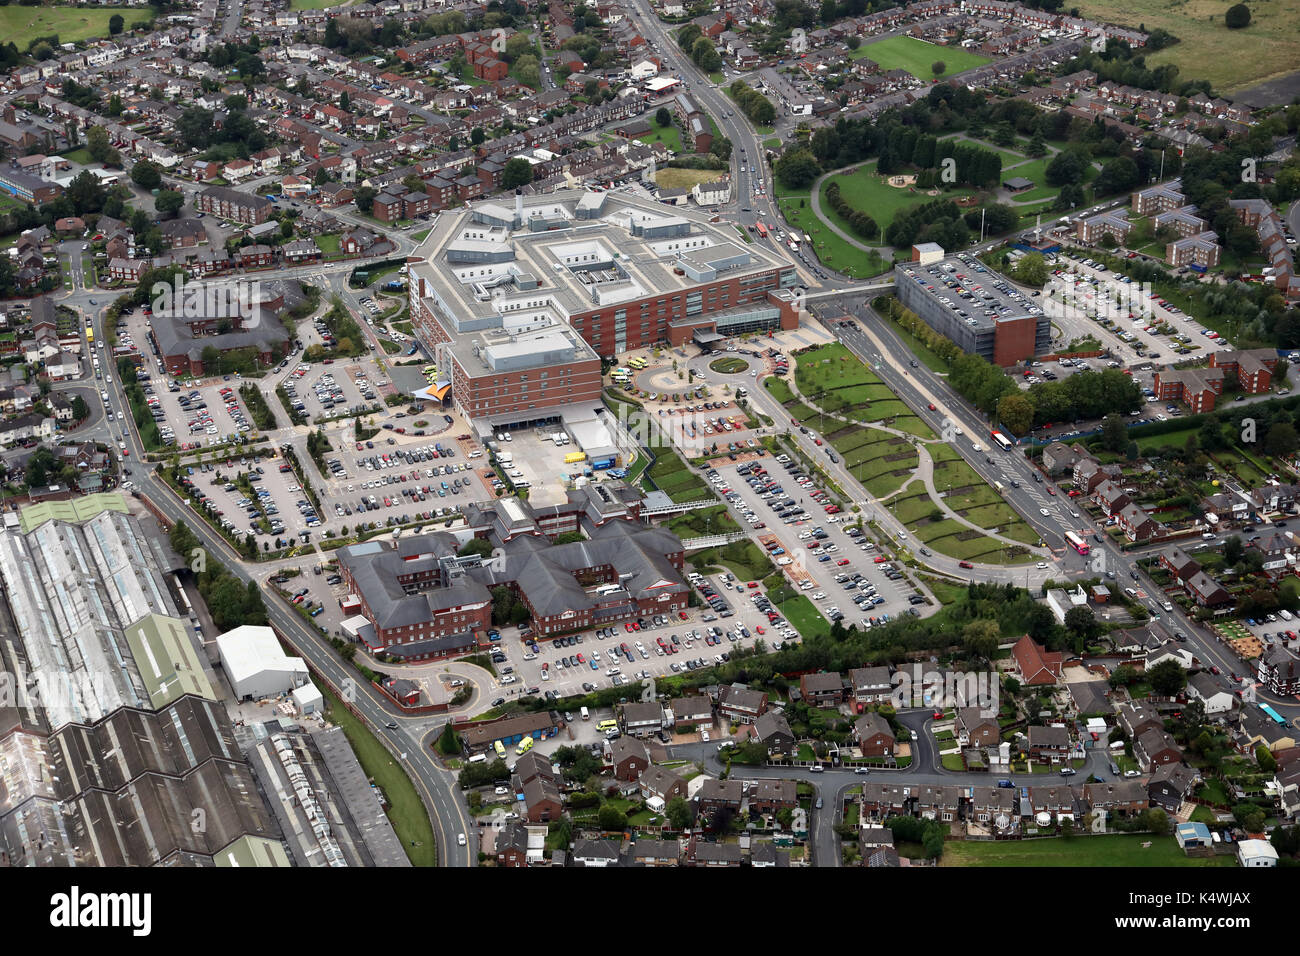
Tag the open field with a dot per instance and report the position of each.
(1108, 850)
(21, 25)
(915, 56)
(671, 178)
(1230, 59)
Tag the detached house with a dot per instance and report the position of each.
(870, 685)
(740, 704)
(1036, 665)
(772, 730)
(874, 736)
(662, 783)
(976, 730)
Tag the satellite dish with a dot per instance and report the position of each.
(1001, 821)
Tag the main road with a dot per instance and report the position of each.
(437, 786)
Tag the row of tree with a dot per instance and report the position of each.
(753, 104)
(858, 221)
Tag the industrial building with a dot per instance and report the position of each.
(322, 799)
(124, 790)
(519, 304)
(962, 299)
(255, 664)
(94, 622)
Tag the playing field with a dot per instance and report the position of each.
(1230, 59)
(916, 56)
(21, 25)
(1109, 850)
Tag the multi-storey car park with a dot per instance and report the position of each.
(518, 305)
(977, 308)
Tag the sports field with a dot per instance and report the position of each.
(21, 25)
(916, 56)
(1109, 850)
(1230, 59)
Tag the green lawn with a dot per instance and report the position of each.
(405, 811)
(80, 155)
(1108, 850)
(867, 190)
(20, 25)
(328, 244)
(916, 56)
(830, 248)
(669, 135)
(804, 617)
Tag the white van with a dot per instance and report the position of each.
(1285, 615)
(586, 714)
(478, 758)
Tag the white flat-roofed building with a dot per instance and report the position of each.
(255, 664)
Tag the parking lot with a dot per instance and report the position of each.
(653, 646)
(327, 391)
(833, 563)
(253, 495)
(1138, 326)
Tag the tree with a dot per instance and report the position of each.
(981, 637)
(1032, 270)
(477, 136)
(115, 24)
(938, 68)
(98, 146)
(1281, 441)
(1249, 817)
(168, 201)
(663, 117)
(1264, 757)
(797, 168)
(1237, 17)
(1082, 625)
(480, 546)
(679, 813)
(611, 818)
(79, 409)
(1167, 678)
(1123, 675)
(1114, 433)
(449, 742)
(517, 172)
(364, 196)
(1016, 412)
(1232, 549)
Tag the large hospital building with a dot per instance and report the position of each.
(519, 303)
